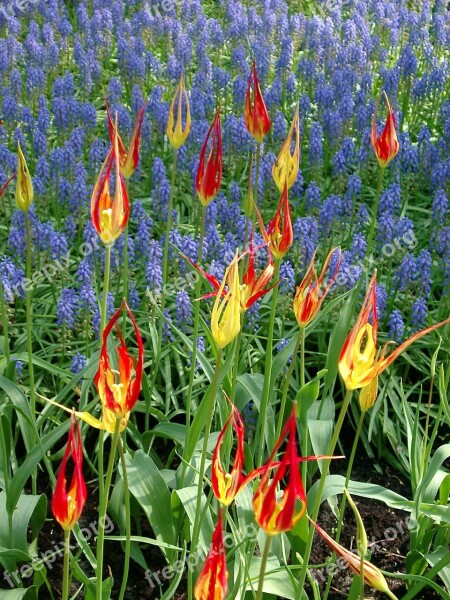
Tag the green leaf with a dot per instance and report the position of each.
(188, 497)
(18, 400)
(149, 488)
(19, 594)
(29, 515)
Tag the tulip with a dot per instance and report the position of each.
(253, 287)
(279, 234)
(175, 132)
(310, 295)
(129, 159)
(285, 169)
(277, 516)
(212, 582)
(257, 118)
(209, 175)
(67, 505)
(386, 146)
(119, 398)
(226, 313)
(359, 368)
(110, 217)
(372, 576)
(24, 185)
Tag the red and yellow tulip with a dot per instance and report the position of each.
(212, 582)
(310, 295)
(256, 117)
(110, 217)
(129, 159)
(273, 515)
(67, 504)
(360, 362)
(209, 173)
(118, 389)
(279, 235)
(176, 133)
(285, 169)
(386, 145)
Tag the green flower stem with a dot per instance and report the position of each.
(262, 571)
(286, 386)
(302, 383)
(344, 498)
(5, 325)
(103, 505)
(268, 366)
(323, 477)
(375, 212)
(198, 291)
(256, 187)
(29, 316)
(237, 349)
(126, 564)
(6, 476)
(164, 286)
(211, 399)
(104, 305)
(125, 267)
(66, 569)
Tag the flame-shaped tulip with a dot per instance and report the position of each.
(373, 577)
(226, 313)
(118, 389)
(286, 166)
(175, 132)
(310, 295)
(226, 486)
(273, 515)
(257, 118)
(212, 582)
(67, 504)
(360, 361)
(24, 185)
(386, 146)
(253, 287)
(279, 234)
(209, 174)
(129, 159)
(110, 217)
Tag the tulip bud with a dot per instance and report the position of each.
(386, 146)
(67, 505)
(24, 185)
(212, 582)
(285, 169)
(175, 132)
(209, 175)
(257, 118)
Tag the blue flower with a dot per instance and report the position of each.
(67, 308)
(396, 327)
(79, 361)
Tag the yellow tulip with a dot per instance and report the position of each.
(226, 313)
(24, 185)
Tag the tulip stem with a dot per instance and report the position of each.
(256, 188)
(66, 569)
(29, 314)
(262, 571)
(106, 276)
(344, 498)
(5, 325)
(126, 564)
(268, 366)
(198, 291)
(103, 505)
(286, 387)
(375, 212)
(211, 397)
(323, 477)
(125, 267)
(164, 286)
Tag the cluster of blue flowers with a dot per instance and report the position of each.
(332, 62)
